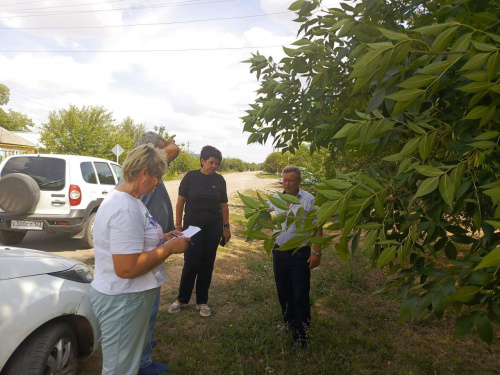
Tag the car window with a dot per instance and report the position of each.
(49, 173)
(88, 172)
(118, 171)
(104, 173)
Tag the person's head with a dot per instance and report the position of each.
(147, 159)
(168, 146)
(210, 159)
(291, 179)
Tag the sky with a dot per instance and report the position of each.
(172, 63)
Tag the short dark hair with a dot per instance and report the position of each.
(151, 137)
(209, 151)
(292, 169)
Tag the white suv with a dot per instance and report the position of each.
(53, 193)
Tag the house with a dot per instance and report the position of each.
(12, 144)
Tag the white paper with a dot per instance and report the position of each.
(189, 232)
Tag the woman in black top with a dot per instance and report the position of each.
(203, 200)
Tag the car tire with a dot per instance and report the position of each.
(11, 237)
(88, 235)
(51, 349)
(19, 193)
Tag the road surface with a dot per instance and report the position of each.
(63, 244)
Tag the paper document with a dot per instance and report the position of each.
(190, 231)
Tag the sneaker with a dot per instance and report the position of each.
(204, 310)
(154, 368)
(176, 307)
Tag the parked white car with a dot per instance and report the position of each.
(46, 320)
(53, 193)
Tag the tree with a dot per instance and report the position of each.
(414, 87)
(126, 134)
(87, 131)
(12, 120)
(275, 162)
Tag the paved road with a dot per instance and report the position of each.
(63, 244)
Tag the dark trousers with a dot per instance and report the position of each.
(199, 261)
(293, 282)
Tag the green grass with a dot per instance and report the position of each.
(353, 331)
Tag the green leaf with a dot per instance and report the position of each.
(296, 5)
(410, 147)
(447, 189)
(427, 186)
(387, 256)
(331, 194)
(389, 34)
(425, 145)
(414, 127)
(483, 46)
(484, 328)
(437, 67)
(369, 226)
(405, 95)
(476, 61)
(463, 326)
(407, 306)
(344, 131)
(327, 210)
(429, 171)
(370, 239)
(475, 87)
(476, 112)
(460, 45)
(492, 65)
(487, 135)
(258, 235)
(483, 144)
(492, 259)
(289, 198)
(493, 223)
(433, 29)
(338, 184)
(293, 243)
(249, 202)
(464, 294)
(279, 203)
(443, 39)
(417, 81)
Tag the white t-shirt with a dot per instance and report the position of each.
(123, 225)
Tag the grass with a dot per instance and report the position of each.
(353, 331)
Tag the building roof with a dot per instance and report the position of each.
(9, 138)
(33, 137)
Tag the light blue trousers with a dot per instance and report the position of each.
(123, 320)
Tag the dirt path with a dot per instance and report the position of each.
(61, 244)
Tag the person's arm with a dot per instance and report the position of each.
(226, 232)
(315, 258)
(171, 149)
(129, 266)
(179, 210)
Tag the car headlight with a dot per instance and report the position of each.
(79, 273)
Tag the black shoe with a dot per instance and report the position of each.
(299, 345)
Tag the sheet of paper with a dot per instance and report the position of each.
(191, 231)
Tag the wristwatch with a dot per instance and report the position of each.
(227, 225)
(317, 253)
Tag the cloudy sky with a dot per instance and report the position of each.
(176, 63)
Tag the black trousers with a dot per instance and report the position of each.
(293, 283)
(199, 261)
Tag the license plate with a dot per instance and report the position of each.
(28, 225)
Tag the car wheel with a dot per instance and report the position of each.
(10, 237)
(88, 236)
(19, 193)
(49, 350)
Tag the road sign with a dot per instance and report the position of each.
(117, 150)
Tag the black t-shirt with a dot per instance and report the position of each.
(204, 194)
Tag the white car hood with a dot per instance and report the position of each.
(18, 262)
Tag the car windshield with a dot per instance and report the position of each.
(49, 173)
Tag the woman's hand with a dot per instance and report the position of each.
(172, 234)
(226, 233)
(177, 245)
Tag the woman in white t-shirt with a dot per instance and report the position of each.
(130, 249)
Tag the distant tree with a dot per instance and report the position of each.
(4, 94)
(126, 134)
(275, 162)
(183, 163)
(87, 131)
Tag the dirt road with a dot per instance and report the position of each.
(62, 244)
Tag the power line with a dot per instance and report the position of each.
(140, 51)
(143, 24)
(119, 9)
(58, 6)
